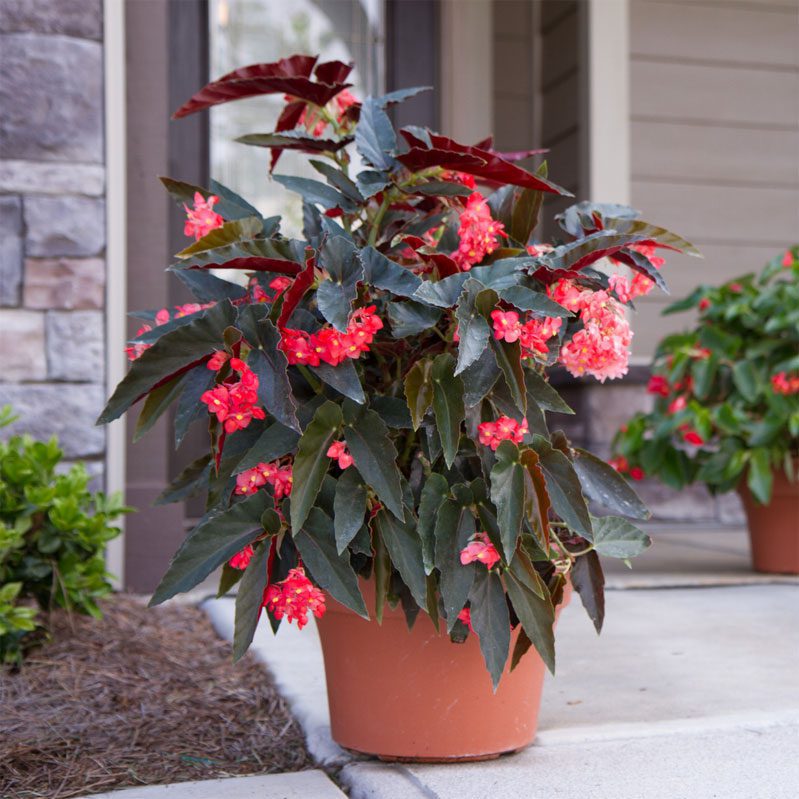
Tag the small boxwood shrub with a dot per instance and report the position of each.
(53, 532)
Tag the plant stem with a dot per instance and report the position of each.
(312, 381)
(381, 212)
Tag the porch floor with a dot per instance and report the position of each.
(691, 690)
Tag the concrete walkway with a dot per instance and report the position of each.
(688, 693)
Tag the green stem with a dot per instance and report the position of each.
(381, 212)
(312, 381)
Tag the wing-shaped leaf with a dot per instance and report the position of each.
(536, 614)
(442, 293)
(374, 454)
(473, 329)
(491, 622)
(479, 378)
(370, 182)
(343, 378)
(209, 288)
(189, 408)
(405, 550)
(349, 507)
(230, 233)
(387, 274)
(455, 525)
(536, 302)
(275, 442)
(311, 462)
(316, 192)
(603, 484)
(542, 393)
(334, 295)
(249, 599)
(509, 359)
(337, 179)
(507, 493)
(563, 487)
(193, 479)
(434, 492)
(375, 138)
(172, 353)
(157, 402)
(316, 543)
(617, 538)
(216, 539)
(411, 318)
(589, 582)
(419, 391)
(447, 404)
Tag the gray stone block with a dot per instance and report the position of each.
(11, 250)
(730, 509)
(52, 98)
(22, 351)
(64, 226)
(52, 177)
(68, 283)
(81, 18)
(66, 411)
(75, 346)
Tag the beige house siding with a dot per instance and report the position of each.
(714, 136)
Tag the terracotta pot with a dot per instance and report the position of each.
(774, 528)
(414, 695)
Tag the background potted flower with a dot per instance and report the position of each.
(727, 406)
(378, 410)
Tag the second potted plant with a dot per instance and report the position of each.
(727, 406)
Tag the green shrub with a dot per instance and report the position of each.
(53, 533)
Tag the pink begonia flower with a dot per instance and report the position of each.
(678, 404)
(637, 473)
(202, 219)
(787, 259)
(218, 360)
(241, 560)
(294, 597)
(465, 616)
(658, 385)
(338, 451)
(492, 434)
(692, 437)
(506, 326)
(478, 233)
(536, 333)
(704, 304)
(480, 550)
(234, 403)
(782, 383)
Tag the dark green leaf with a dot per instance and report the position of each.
(157, 402)
(509, 359)
(603, 484)
(275, 442)
(411, 318)
(192, 480)
(543, 394)
(207, 287)
(229, 233)
(537, 616)
(337, 179)
(370, 183)
(405, 550)
(473, 329)
(387, 274)
(311, 462)
(314, 191)
(227, 579)
(393, 411)
(704, 371)
(536, 302)
(349, 507)
(480, 378)
(230, 205)
(563, 487)
(334, 295)
(442, 293)
(197, 382)
(760, 475)
(491, 622)
(375, 138)
(249, 599)
(617, 538)
(434, 492)
(447, 404)
(316, 543)
(589, 582)
(419, 391)
(171, 354)
(507, 493)
(374, 454)
(343, 378)
(455, 525)
(215, 540)
(745, 377)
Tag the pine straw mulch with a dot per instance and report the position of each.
(139, 698)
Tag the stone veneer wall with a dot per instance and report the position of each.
(599, 412)
(52, 221)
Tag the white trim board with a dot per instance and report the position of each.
(115, 254)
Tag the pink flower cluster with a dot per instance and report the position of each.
(627, 290)
(280, 478)
(621, 465)
(782, 383)
(278, 284)
(202, 219)
(465, 616)
(134, 351)
(787, 259)
(329, 345)
(233, 402)
(478, 233)
(315, 122)
(532, 334)
(480, 550)
(294, 597)
(241, 560)
(492, 434)
(338, 451)
(602, 347)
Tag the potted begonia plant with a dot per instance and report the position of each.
(378, 404)
(726, 412)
